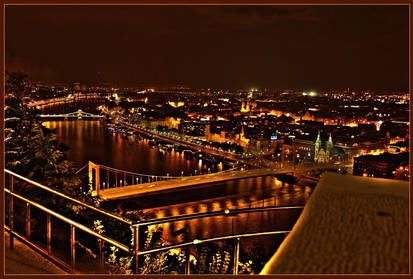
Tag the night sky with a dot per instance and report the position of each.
(283, 47)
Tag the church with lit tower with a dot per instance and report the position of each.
(323, 155)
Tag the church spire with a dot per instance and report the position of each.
(318, 140)
(329, 145)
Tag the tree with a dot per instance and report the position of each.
(30, 148)
(16, 83)
(18, 123)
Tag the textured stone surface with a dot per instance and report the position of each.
(23, 260)
(350, 225)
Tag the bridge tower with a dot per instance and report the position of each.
(94, 173)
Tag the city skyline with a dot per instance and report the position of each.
(206, 139)
(212, 46)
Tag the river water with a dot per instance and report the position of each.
(90, 141)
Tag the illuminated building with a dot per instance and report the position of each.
(223, 136)
(248, 106)
(176, 104)
(208, 132)
(243, 141)
(322, 155)
(383, 165)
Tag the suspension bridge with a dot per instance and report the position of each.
(80, 114)
(112, 184)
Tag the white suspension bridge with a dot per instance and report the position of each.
(110, 184)
(76, 114)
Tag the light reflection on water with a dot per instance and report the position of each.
(90, 141)
(247, 193)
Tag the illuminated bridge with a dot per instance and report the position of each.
(112, 184)
(65, 100)
(78, 114)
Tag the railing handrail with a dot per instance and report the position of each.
(134, 249)
(70, 221)
(200, 241)
(104, 212)
(215, 213)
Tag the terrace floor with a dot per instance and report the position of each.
(23, 260)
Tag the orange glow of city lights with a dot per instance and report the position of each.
(352, 124)
(176, 104)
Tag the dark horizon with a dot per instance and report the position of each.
(283, 47)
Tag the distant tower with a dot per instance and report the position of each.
(241, 134)
(318, 142)
(329, 148)
(76, 86)
(207, 132)
(317, 145)
(223, 136)
(245, 107)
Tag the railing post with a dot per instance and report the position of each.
(236, 256)
(136, 247)
(28, 220)
(107, 179)
(101, 254)
(11, 210)
(116, 179)
(49, 234)
(72, 247)
(187, 261)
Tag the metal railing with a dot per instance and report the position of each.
(187, 245)
(49, 213)
(227, 212)
(131, 248)
(34, 183)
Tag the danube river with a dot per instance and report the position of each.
(91, 141)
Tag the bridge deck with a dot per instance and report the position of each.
(179, 184)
